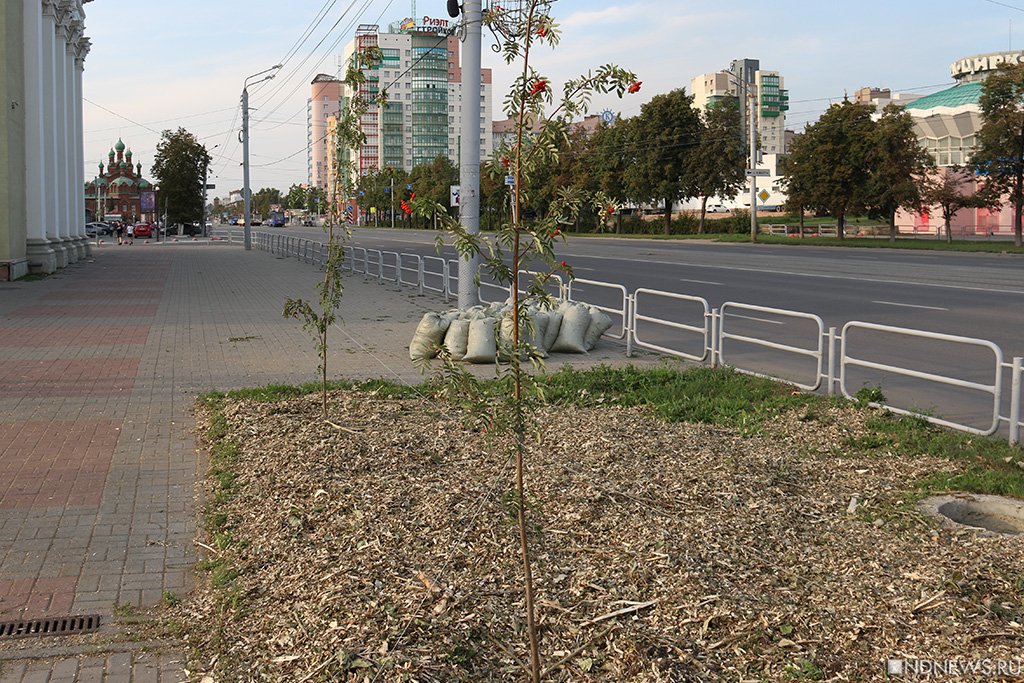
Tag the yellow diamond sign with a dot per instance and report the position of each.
(763, 195)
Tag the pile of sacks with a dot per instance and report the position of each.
(480, 334)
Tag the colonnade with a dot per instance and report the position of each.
(55, 50)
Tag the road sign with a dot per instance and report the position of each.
(510, 180)
(758, 172)
(763, 195)
(453, 198)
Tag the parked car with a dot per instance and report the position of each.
(143, 230)
(98, 228)
(717, 208)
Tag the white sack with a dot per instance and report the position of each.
(481, 346)
(599, 324)
(456, 339)
(575, 321)
(429, 335)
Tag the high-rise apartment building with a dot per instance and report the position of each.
(745, 80)
(324, 102)
(422, 116)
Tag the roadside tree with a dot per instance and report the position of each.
(262, 200)
(716, 168)
(999, 155)
(296, 197)
(898, 166)
(509, 415)
(830, 163)
(607, 164)
(663, 140)
(951, 189)
(178, 166)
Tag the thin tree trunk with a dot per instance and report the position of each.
(949, 232)
(841, 226)
(668, 216)
(618, 222)
(703, 213)
(892, 226)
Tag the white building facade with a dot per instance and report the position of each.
(42, 161)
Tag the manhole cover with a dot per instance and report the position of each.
(991, 513)
(54, 626)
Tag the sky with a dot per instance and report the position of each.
(163, 65)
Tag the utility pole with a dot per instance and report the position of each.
(753, 168)
(392, 199)
(246, 190)
(469, 153)
(247, 210)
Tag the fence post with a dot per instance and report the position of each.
(421, 273)
(714, 337)
(831, 360)
(630, 323)
(1015, 416)
(444, 274)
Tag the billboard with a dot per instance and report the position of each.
(147, 201)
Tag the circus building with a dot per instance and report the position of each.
(119, 192)
(946, 124)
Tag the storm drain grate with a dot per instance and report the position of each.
(55, 626)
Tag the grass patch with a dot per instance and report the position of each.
(33, 277)
(989, 463)
(1003, 247)
(713, 395)
(724, 397)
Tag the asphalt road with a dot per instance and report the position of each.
(966, 294)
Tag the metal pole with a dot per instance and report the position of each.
(247, 234)
(753, 168)
(392, 200)
(831, 361)
(1015, 382)
(469, 153)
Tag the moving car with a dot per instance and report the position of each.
(98, 228)
(143, 230)
(717, 208)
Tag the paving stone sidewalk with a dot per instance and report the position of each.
(100, 365)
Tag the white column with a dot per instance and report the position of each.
(50, 122)
(62, 159)
(41, 257)
(81, 50)
(76, 225)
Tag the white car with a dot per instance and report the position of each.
(717, 208)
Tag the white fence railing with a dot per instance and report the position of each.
(693, 316)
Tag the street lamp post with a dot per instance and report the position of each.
(267, 75)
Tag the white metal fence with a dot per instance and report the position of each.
(700, 333)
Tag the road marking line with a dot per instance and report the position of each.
(894, 303)
(790, 272)
(702, 282)
(750, 317)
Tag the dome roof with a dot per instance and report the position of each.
(144, 183)
(122, 181)
(119, 146)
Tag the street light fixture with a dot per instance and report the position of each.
(267, 75)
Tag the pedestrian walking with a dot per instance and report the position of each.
(120, 233)
(131, 234)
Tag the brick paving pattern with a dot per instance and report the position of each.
(100, 365)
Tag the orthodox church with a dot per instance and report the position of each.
(120, 192)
